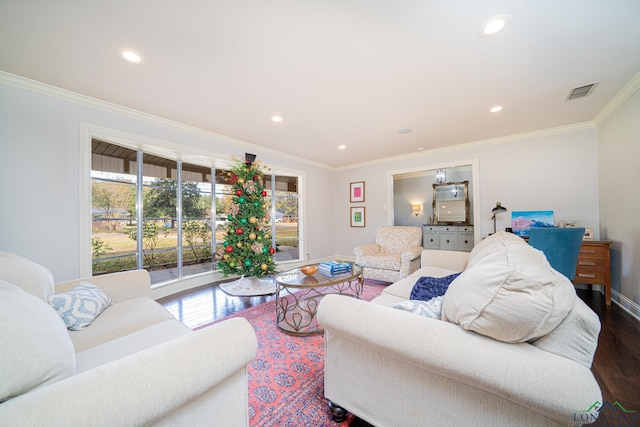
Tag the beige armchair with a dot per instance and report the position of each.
(394, 255)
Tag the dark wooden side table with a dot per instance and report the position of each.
(594, 266)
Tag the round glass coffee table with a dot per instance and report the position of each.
(298, 296)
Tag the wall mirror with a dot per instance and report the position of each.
(451, 203)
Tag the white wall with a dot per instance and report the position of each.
(619, 163)
(555, 170)
(39, 171)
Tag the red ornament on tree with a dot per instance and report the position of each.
(229, 249)
(238, 230)
(238, 192)
(256, 178)
(271, 251)
(264, 194)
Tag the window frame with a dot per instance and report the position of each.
(168, 150)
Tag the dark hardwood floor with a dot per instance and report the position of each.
(616, 365)
(205, 304)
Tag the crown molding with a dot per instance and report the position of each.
(67, 95)
(629, 89)
(476, 144)
(24, 83)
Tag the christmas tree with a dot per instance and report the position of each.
(247, 250)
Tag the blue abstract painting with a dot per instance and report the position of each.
(523, 221)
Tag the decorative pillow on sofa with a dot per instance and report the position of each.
(79, 307)
(509, 293)
(35, 348)
(428, 287)
(431, 308)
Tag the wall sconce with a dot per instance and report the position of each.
(498, 209)
(441, 176)
(416, 208)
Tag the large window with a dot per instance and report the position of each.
(172, 235)
(167, 216)
(283, 198)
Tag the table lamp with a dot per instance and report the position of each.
(498, 209)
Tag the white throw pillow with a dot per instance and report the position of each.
(509, 293)
(431, 308)
(35, 348)
(79, 307)
(494, 242)
(26, 274)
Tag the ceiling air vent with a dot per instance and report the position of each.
(581, 91)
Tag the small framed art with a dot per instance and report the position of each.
(588, 233)
(356, 192)
(357, 216)
(568, 223)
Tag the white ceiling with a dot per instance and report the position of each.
(350, 72)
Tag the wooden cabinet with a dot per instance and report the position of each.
(594, 266)
(448, 237)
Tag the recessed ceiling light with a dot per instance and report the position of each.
(276, 119)
(420, 148)
(342, 147)
(496, 109)
(494, 25)
(404, 131)
(131, 55)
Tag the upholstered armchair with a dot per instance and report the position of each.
(394, 255)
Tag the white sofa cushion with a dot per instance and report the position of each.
(576, 337)
(80, 306)
(129, 344)
(26, 274)
(508, 292)
(118, 320)
(35, 348)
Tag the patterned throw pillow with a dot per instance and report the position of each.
(431, 308)
(80, 306)
(430, 287)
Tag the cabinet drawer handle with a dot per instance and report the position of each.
(447, 241)
(587, 263)
(431, 240)
(587, 276)
(466, 242)
(587, 251)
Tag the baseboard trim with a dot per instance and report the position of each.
(626, 304)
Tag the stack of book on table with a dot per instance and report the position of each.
(331, 268)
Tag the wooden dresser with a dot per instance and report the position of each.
(594, 266)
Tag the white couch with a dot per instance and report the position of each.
(514, 348)
(134, 365)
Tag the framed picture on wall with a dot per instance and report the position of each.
(356, 192)
(523, 221)
(357, 216)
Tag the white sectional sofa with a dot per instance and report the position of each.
(514, 346)
(135, 364)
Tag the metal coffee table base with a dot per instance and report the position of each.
(296, 307)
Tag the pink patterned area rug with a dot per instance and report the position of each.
(286, 378)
